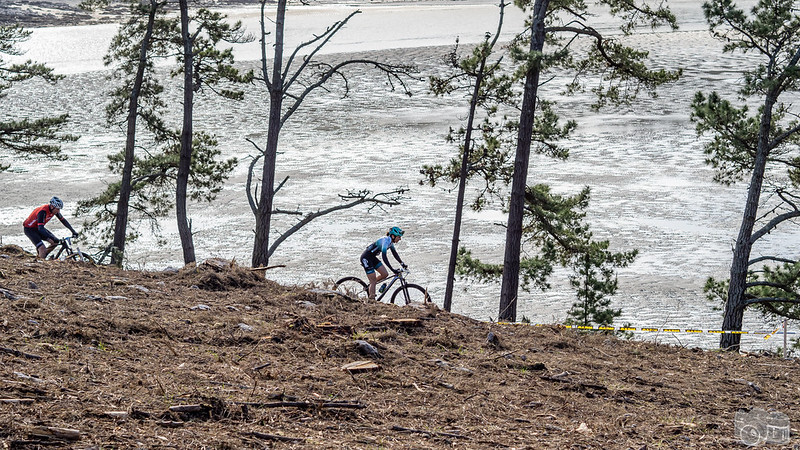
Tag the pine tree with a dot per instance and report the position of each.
(25, 136)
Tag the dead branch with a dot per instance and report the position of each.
(429, 433)
(273, 437)
(351, 200)
(189, 408)
(19, 353)
(304, 405)
(8, 294)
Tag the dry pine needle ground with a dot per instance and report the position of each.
(215, 356)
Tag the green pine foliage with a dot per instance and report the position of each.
(26, 136)
(756, 145)
(155, 167)
(554, 228)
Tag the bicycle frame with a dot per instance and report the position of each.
(66, 245)
(66, 249)
(397, 276)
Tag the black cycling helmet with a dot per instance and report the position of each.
(56, 202)
(395, 231)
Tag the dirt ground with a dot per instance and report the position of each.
(217, 356)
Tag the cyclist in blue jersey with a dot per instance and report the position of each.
(371, 263)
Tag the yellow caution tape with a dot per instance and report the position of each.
(766, 334)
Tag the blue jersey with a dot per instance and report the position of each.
(381, 246)
(369, 259)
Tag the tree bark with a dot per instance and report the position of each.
(735, 304)
(121, 218)
(511, 260)
(462, 187)
(264, 212)
(185, 158)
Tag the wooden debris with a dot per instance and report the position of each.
(334, 328)
(56, 433)
(563, 378)
(361, 366)
(17, 400)
(19, 353)
(170, 424)
(262, 366)
(265, 269)
(119, 415)
(305, 405)
(406, 322)
(8, 294)
(429, 433)
(189, 408)
(273, 437)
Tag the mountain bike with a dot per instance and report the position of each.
(66, 252)
(408, 292)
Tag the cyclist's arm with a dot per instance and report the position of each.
(42, 230)
(386, 260)
(66, 224)
(397, 257)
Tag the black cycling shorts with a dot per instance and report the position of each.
(370, 262)
(35, 237)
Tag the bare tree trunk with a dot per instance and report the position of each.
(511, 260)
(462, 185)
(735, 305)
(121, 218)
(264, 213)
(185, 159)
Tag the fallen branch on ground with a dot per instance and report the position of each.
(19, 353)
(273, 437)
(429, 433)
(304, 405)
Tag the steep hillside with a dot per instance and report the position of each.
(218, 357)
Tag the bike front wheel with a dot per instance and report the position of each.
(80, 256)
(352, 287)
(410, 293)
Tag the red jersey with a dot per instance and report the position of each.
(33, 220)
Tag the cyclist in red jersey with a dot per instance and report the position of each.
(37, 233)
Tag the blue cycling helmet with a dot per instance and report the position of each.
(56, 202)
(395, 231)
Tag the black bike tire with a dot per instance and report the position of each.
(77, 257)
(412, 287)
(349, 284)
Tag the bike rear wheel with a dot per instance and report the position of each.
(352, 287)
(411, 293)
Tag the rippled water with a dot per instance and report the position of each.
(650, 188)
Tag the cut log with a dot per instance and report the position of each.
(56, 433)
(361, 366)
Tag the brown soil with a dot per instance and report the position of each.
(97, 357)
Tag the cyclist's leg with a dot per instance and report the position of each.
(382, 274)
(370, 263)
(37, 240)
(48, 248)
